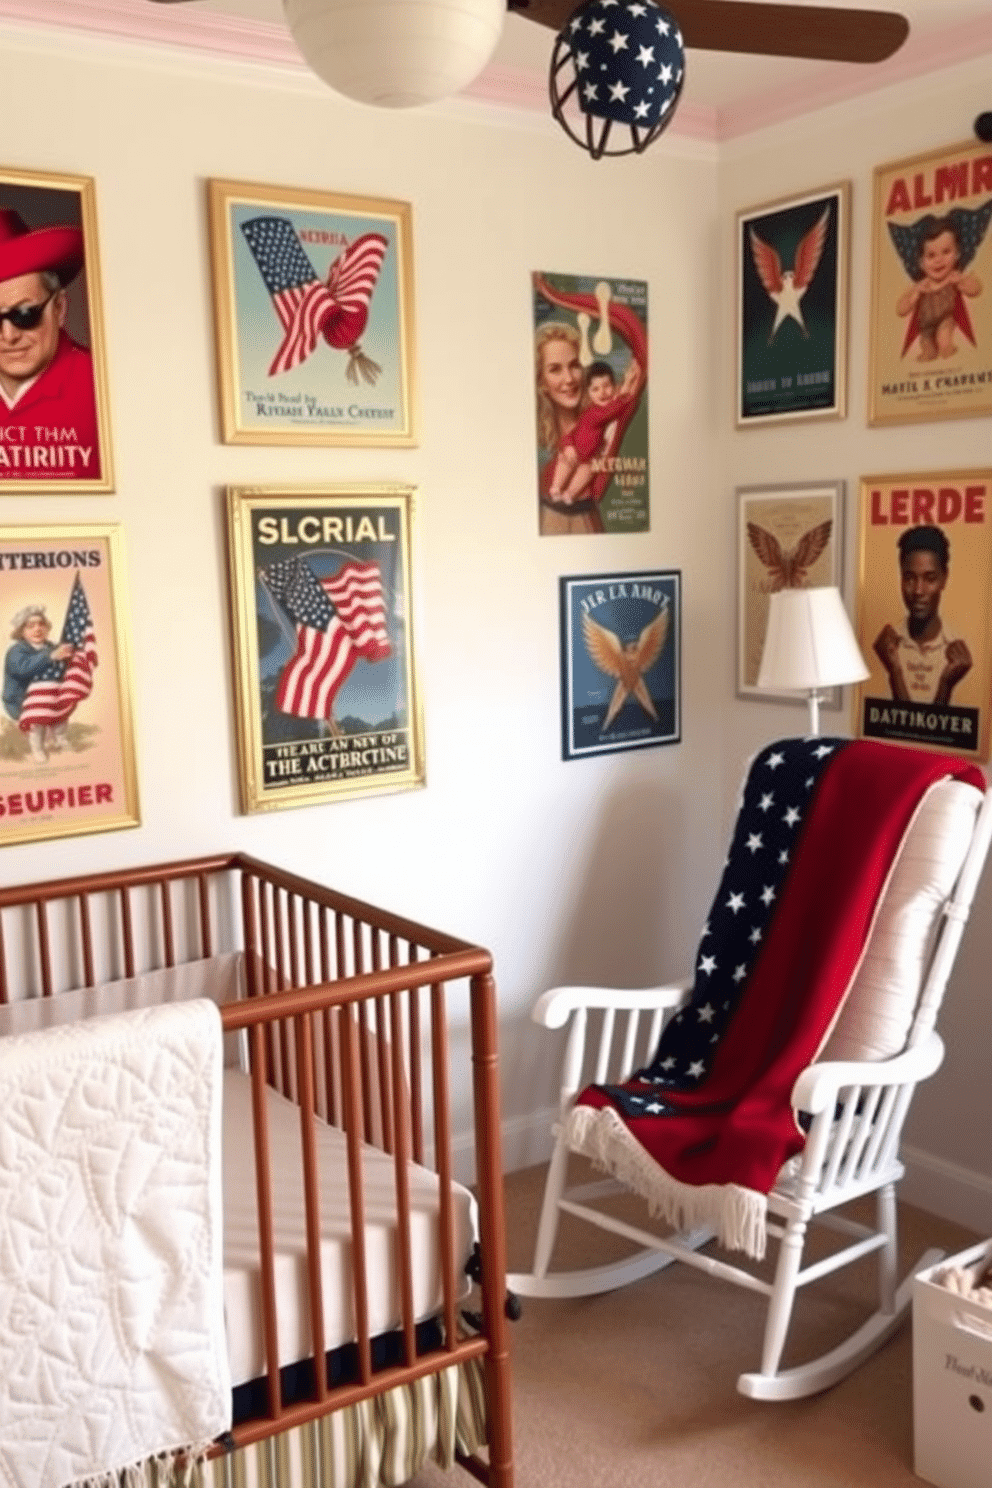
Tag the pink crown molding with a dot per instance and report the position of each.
(216, 33)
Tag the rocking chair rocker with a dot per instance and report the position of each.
(845, 1104)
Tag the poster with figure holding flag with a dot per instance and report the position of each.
(792, 260)
(66, 735)
(931, 298)
(313, 303)
(322, 625)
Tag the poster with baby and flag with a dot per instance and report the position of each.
(328, 702)
(591, 377)
(931, 297)
(313, 299)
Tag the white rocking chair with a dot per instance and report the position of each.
(854, 1100)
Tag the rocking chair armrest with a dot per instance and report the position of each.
(817, 1087)
(554, 1007)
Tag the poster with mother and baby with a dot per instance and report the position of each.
(591, 372)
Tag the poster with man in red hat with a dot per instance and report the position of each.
(53, 423)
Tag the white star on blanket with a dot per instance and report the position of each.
(756, 868)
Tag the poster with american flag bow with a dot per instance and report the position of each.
(323, 636)
(313, 306)
(67, 762)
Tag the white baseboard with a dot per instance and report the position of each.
(947, 1189)
(526, 1140)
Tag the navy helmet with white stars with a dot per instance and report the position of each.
(618, 62)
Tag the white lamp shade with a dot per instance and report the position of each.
(396, 53)
(809, 642)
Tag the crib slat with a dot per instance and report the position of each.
(311, 1197)
(442, 1156)
(263, 1190)
(44, 952)
(127, 932)
(280, 911)
(206, 936)
(358, 951)
(404, 1249)
(86, 937)
(168, 944)
(416, 1077)
(385, 1088)
(349, 1082)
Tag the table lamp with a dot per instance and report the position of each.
(809, 646)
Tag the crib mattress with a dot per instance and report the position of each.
(242, 1305)
(219, 978)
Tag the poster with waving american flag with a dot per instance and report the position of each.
(322, 619)
(313, 297)
(67, 763)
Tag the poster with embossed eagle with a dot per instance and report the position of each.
(621, 639)
(792, 308)
(931, 300)
(789, 537)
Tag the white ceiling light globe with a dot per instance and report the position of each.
(396, 53)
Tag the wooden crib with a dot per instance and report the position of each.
(349, 1012)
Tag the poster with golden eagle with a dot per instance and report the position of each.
(621, 637)
(792, 258)
(788, 537)
(931, 297)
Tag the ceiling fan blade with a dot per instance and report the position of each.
(774, 30)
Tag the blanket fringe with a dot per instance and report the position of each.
(738, 1216)
(182, 1468)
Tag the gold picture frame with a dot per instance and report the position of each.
(788, 537)
(67, 763)
(923, 619)
(792, 308)
(313, 305)
(323, 633)
(930, 344)
(54, 408)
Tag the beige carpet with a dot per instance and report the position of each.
(638, 1389)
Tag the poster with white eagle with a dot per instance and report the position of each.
(313, 302)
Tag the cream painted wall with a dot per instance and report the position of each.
(593, 868)
(948, 1155)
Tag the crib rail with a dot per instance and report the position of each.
(346, 1014)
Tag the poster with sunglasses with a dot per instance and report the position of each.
(591, 374)
(54, 420)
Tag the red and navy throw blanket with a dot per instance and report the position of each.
(704, 1129)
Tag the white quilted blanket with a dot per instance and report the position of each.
(112, 1345)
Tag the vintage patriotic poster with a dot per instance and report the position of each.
(54, 421)
(621, 685)
(788, 537)
(931, 302)
(792, 308)
(591, 375)
(923, 615)
(313, 299)
(66, 736)
(328, 702)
